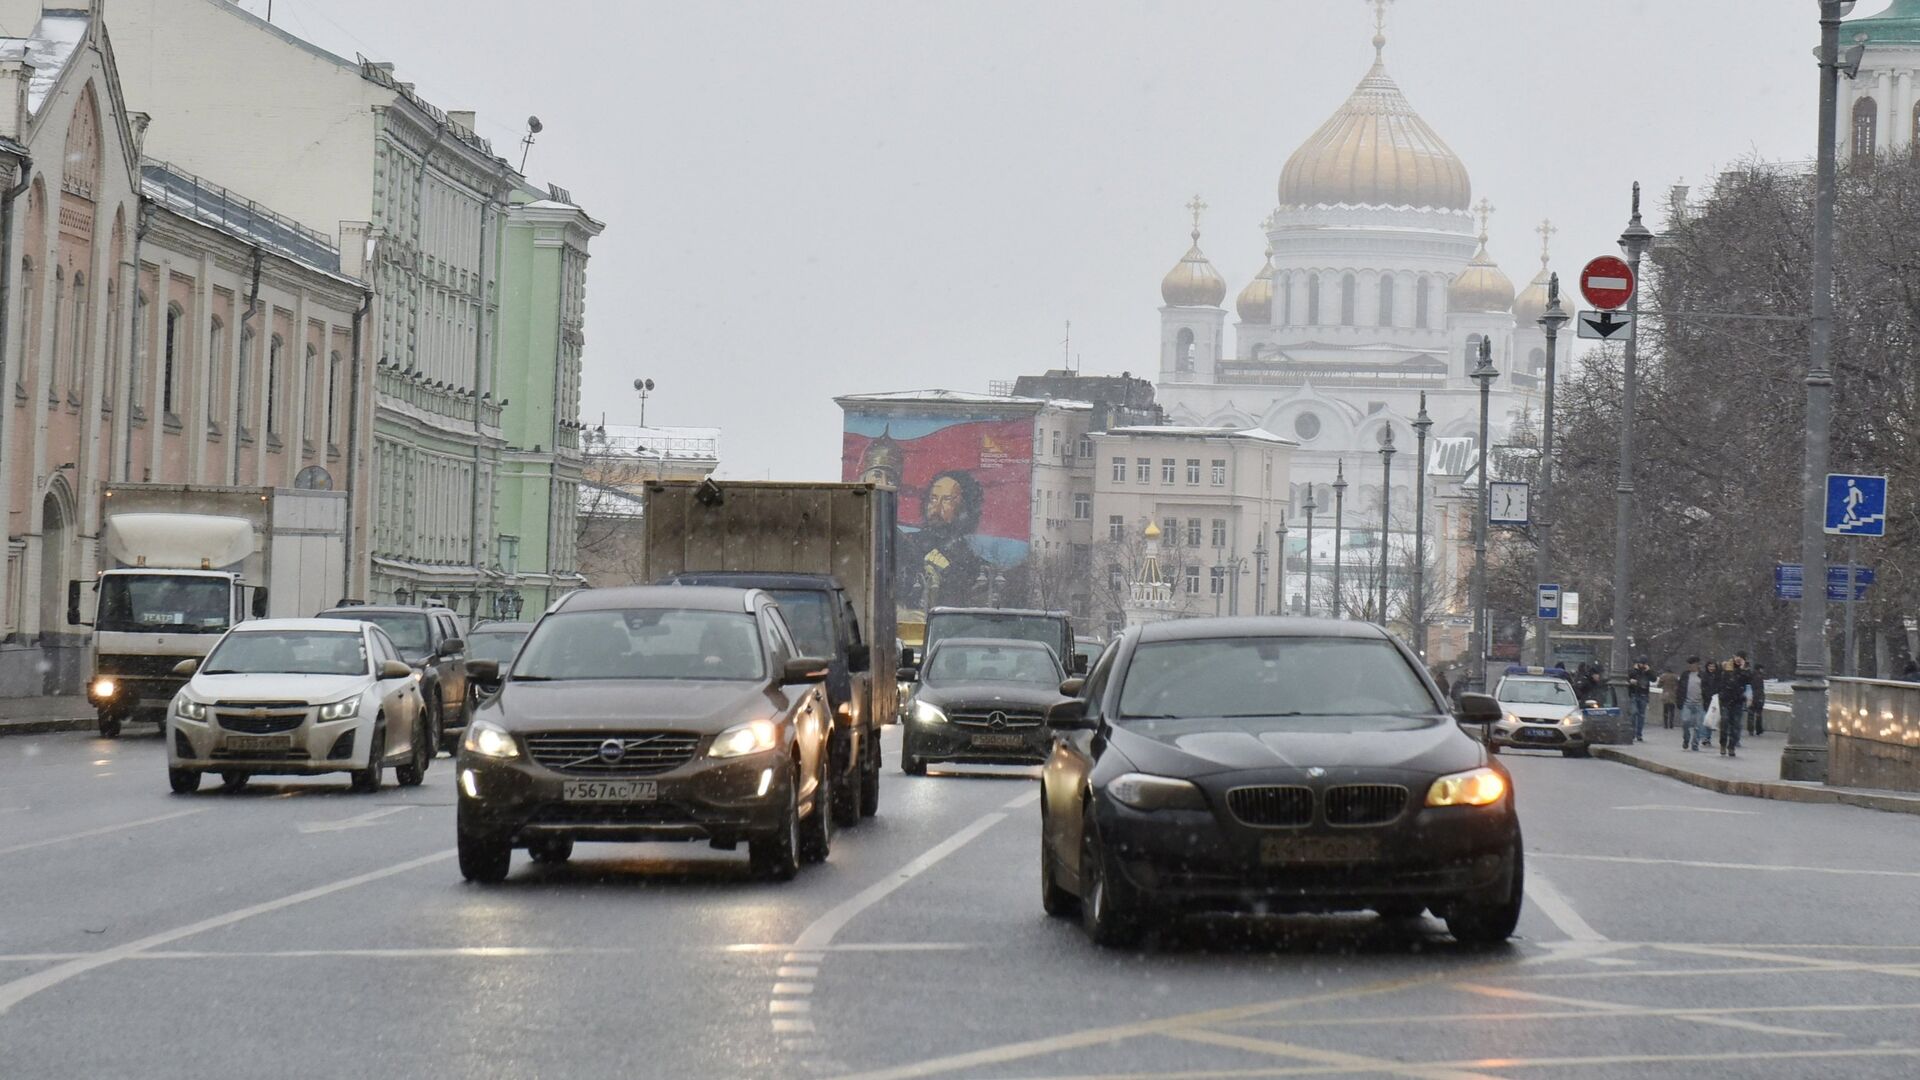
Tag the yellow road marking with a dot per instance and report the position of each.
(1337, 1058)
(1614, 1007)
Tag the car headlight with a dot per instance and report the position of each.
(1573, 717)
(1476, 787)
(189, 708)
(752, 737)
(928, 713)
(1144, 792)
(1511, 718)
(102, 689)
(489, 740)
(340, 710)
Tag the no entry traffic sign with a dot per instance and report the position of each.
(1607, 283)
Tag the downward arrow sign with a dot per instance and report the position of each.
(1604, 325)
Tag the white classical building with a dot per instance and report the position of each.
(1880, 107)
(1378, 288)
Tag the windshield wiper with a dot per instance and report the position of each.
(223, 671)
(532, 678)
(1262, 715)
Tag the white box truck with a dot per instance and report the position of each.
(181, 565)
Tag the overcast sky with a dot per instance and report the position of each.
(814, 198)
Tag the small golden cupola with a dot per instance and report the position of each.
(1193, 282)
(1532, 302)
(1482, 288)
(1255, 304)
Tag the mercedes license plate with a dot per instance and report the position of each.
(1304, 850)
(258, 742)
(610, 790)
(999, 741)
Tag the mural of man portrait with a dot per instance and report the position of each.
(938, 562)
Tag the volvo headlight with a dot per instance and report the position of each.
(752, 737)
(1477, 787)
(1144, 792)
(340, 710)
(928, 713)
(489, 740)
(187, 707)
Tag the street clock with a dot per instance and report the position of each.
(1509, 503)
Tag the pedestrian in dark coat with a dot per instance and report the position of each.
(1757, 707)
(1735, 681)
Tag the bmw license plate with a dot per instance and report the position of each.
(610, 790)
(257, 742)
(1309, 850)
(999, 742)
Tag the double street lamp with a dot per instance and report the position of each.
(1421, 425)
(1551, 320)
(1386, 514)
(1634, 243)
(1339, 531)
(1484, 374)
(1307, 596)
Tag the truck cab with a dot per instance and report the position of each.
(1053, 629)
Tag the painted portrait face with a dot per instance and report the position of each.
(944, 501)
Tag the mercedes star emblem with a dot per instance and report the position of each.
(998, 719)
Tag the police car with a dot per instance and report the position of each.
(1541, 713)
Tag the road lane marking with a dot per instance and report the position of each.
(796, 971)
(1336, 1058)
(1637, 860)
(359, 821)
(784, 1006)
(13, 993)
(1685, 1013)
(103, 830)
(1709, 1016)
(1761, 1056)
(1023, 799)
(791, 1024)
(1541, 893)
(799, 988)
(1688, 809)
(1804, 962)
(480, 952)
(822, 930)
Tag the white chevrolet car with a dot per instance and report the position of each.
(298, 697)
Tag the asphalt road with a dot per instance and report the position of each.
(296, 929)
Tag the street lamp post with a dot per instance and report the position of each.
(1421, 425)
(1484, 374)
(1805, 757)
(1339, 530)
(644, 387)
(1551, 321)
(1634, 242)
(1386, 515)
(1307, 592)
(1280, 565)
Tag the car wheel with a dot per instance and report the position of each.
(433, 734)
(816, 832)
(415, 770)
(482, 860)
(870, 776)
(1577, 751)
(846, 796)
(110, 724)
(1490, 921)
(184, 781)
(1054, 900)
(775, 856)
(1109, 910)
(909, 763)
(550, 851)
(368, 779)
(233, 780)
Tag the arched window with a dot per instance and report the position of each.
(309, 414)
(110, 379)
(1386, 300)
(274, 348)
(1866, 128)
(169, 362)
(1313, 299)
(77, 345)
(30, 304)
(1183, 350)
(333, 399)
(59, 310)
(216, 345)
(134, 374)
(243, 381)
(1283, 286)
(1421, 315)
(1347, 290)
(81, 173)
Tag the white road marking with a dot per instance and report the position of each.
(796, 988)
(14, 992)
(477, 952)
(783, 1006)
(1633, 860)
(1023, 799)
(1688, 809)
(360, 821)
(796, 971)
(102, 830)
(805, 957)
(1541, 893)
(787, 1024)
(822, 930)
(1321, 1056)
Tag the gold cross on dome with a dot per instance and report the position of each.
(1485, 210)
(1196, 206)
(1546, 231)
(1379, 25)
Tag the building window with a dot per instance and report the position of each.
(1193, 471)
(1866, 127)
(309, 416)
(1283, 288)
(1082, 559)
(1219, 472)
(59, 313)
(1143, 470)
(333, 399)
(1313, 299)
(1217, 582)
(1116, 579)
(1170, 528)
(216, 340)
(1086, 446)
(1420, 312)
(1183, 351)
(77, 349)
(1056, 444)
(1116, 528)
(1119, 470)
(274, 348)
(1348, 300)
(1386, 300)
(1193, 579)
(1193, 532)
(1473, 351)
(243, 380)
(1082, 507)
(169, 369)
(1168, 468)
(1307, 426)
(1219, 532)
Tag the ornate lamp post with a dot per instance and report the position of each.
(1308, 592)
(1421, 425)
(1634, 242)
(1339, 530)
(1551, 321)
(1484, 374)
(1280, 565)
(1386, 515)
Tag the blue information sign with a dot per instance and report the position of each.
(1549, 601)
(1789, 582)
(1856, 505)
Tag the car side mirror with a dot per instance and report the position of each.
(394, 669)
(1073, 686)
(909, 657)
(804, 669)
(187, 667)
(1069, 716)
(907, 674)
(1079, 664)
(1589, 704)
(453, 646)
(260, 602)
(1478, 709)
(73, 604)
(859, 657)
(484, 672)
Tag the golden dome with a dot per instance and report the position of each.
(1375, 151)
(1153, 530)
(1193, 282)
(1532, 302)
(1482, 286)
(1256, 300)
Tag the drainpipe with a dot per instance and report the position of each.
(353, 433)
(239, 400)
(143, 220)
(479, 366)
(6, 276)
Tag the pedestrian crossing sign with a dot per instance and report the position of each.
(1856, 505)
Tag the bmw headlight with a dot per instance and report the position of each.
(1144, 792)
(1476, 787)
(340, 710)
(928, 713)
(489, 740)
(185, 706)
(752, 737)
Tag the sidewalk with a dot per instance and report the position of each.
(26, 716)
(1754, 773)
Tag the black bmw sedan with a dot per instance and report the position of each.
(1273, 765)
(981, 700)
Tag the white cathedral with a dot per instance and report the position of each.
(1378, 286)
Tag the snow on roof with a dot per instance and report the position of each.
(964, 397)
(1183, 431)
(48, 48)
(696, 443)
(599, 500)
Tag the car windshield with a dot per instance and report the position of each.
(289, 652)
(1271, 676)
(1537, 692)
(173, 603)
(966, 663)
(1042, 629)
(494, 644)
(648, 643)
(407, 630)
(809, 619)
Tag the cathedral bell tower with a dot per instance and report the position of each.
(1192, 324)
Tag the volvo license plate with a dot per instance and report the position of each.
(610, 790)
(257, 742)
(1310, 850)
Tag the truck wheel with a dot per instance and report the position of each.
(870, 776)
(816, 831)
(109, 724)
(184, 781)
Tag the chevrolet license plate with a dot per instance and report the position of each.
(1317, 850)
(257, 742)
(610, 790)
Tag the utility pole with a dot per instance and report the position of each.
(1421, 425)
(1307, 592)
(1386, 515)
(1280, 565)
(1339, 531)
(1551, 321)
(1484, 374)
(1634, 243)
(1805, 757)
